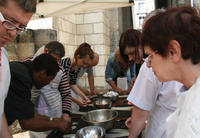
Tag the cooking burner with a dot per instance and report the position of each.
(78, 123)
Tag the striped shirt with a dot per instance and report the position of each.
(67, 64)
(63, 88)
(65, 91)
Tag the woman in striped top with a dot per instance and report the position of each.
(83, 57)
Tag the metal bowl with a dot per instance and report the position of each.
(103, 117)
(102, 103)
(91, 132)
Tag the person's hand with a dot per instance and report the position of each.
(129, 103)
(128, 122)
(119, 90)
(82, 103)
(93, 92)
(63, 125)
(66, 117)
(87, 100)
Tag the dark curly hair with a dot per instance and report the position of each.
(45, 62)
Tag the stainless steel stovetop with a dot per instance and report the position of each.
(119, 130)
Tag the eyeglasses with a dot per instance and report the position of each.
(148, 58)
(10, 25)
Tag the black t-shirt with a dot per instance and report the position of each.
(17, 104)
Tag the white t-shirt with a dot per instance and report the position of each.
(4, 80)
(159, 98)
(185, 121)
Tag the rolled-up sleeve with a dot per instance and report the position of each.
(145, 90)
(65, 92)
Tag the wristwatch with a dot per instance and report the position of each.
(50, 118)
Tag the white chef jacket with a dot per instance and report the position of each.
(4, 80)
(185, 121)
(149, 94)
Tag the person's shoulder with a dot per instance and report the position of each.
(146, 74)
(66, 61)
(16, 64)
(146, 69)
(61, 67)
(111, 57)
(20, 69)
(30, 58)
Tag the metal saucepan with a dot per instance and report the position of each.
(103, 103)
(103, 117)
(91, 132)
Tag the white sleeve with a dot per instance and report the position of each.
(145, 90)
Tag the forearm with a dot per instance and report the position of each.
(4, 130)
(114, 86)
(138, 119)
(78, 91)
(75, 100)
(85, 91)
(39, 123)
(91, 82)
(65, 92)
(78, 101)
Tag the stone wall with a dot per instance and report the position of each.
(116, 27)
(27, 43)
(66, 32)
(93, 28)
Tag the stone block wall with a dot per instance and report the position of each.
(93, 28)
(65, 26)
(43, 36)
(11, 48)
(116, 27)
(27, 43)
